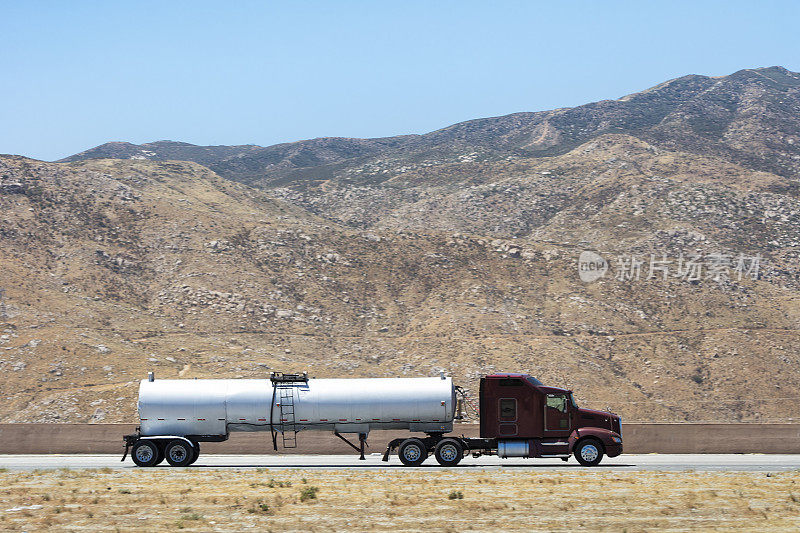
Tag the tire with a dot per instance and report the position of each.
(146, 453)
(196, 452)
(412, 452)
(449, 452)
(589, 452)
(160, 446)
(179, 452)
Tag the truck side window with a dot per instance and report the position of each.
(508, 409)
(511, 382)
(557, 402)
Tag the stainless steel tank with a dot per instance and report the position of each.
(513, 448)
(218, 406)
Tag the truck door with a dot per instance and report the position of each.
(556, 413)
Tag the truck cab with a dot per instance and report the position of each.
(529, 419)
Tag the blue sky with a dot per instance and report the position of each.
(76, 74)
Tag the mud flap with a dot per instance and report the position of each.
(391, 446)
(130, 440)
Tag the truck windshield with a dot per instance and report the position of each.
(572, 401)
(533, 380)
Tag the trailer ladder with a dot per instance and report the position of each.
(285, 383)
(288, 426)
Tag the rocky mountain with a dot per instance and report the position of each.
(463, 249)
(750, 117)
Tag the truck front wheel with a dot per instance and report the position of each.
(589, 452)
(448, 452)
(412, 452)
(146, 453)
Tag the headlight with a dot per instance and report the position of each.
(617, 440)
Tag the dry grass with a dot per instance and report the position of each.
(278, 499)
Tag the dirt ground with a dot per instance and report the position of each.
(298, 500)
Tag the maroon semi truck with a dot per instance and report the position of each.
(521, 417)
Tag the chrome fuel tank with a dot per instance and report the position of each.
(218, 406)
(513, 448)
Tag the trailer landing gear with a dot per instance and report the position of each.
(362, 442)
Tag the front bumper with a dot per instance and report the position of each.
(613, 449)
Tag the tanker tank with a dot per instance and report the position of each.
(215, 407)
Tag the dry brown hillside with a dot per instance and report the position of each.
(111, 268)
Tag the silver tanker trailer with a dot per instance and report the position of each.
(519, 417)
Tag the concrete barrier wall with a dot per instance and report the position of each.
(638, 438)
(711, 438)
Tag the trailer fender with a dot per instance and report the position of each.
(130, 440)
(612, 442)
(465, 445)
(169, 437)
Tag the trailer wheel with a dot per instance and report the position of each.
(160, 446)
(412, 452)
(179, 453)
(449, 452)
(146, 453)
(589, 452)
(196, 453)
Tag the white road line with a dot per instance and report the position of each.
(656, 462)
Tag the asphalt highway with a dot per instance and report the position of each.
(651, 462)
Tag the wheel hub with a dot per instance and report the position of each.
(144, 454)
(177, 453)
(448, 452)
(412, 453)
(589, 452)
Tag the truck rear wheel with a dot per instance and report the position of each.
(412, 452)
(146, 453)
(589, 452)
(179, 453)
(449, 452)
